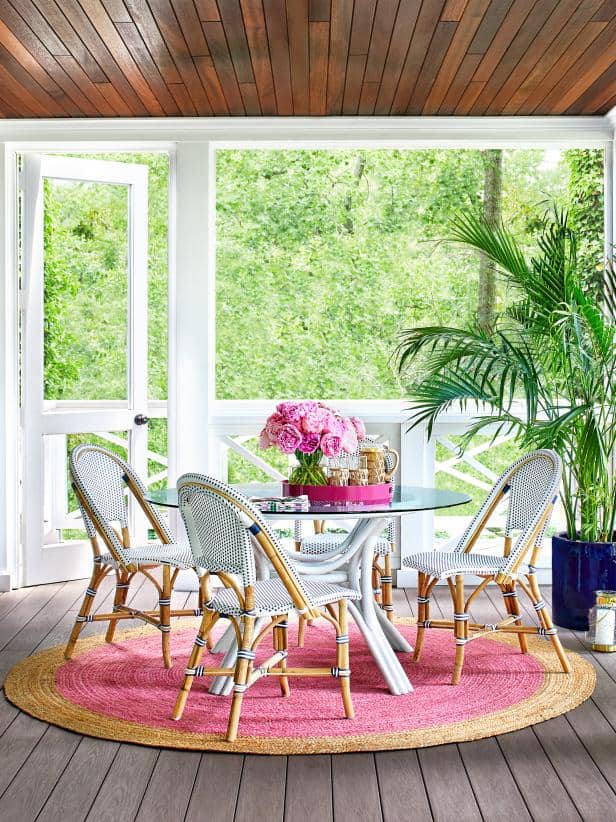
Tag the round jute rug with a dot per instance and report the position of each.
(122, 692)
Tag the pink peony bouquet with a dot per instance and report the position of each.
(310, 430)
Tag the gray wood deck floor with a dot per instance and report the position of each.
(563, 769)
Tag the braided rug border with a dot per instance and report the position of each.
(30, 686)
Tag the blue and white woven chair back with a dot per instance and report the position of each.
(100, 477)
(222, 507)
(532, 484)
(218, 539)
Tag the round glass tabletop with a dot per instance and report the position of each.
(406, 499)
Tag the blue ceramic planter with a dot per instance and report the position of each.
(578, 570)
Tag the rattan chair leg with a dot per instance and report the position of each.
(548, 625)
(193, 662)
(301, 631)
(387, 585)
(164, 604)
(376, 581)
(242, 669)
(513, 606)
(460, 628)
(423, 613)
(557, 645)
(98, 574)
(342, 659)
(203, 595)
(120, 596)
(281, 643)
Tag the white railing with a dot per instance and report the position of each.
(235, 423)
(59, 515)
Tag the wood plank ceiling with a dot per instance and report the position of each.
(90, 58)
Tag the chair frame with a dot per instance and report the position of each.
(244, 673)
(464, 630)
(125, 572)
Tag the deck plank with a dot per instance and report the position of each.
(36, 779)
(401, 785)
(168, 793)
(224, 771)
(584, 782)
(355, 788)
(561, 770)
(16, 744)
(124, 786)
(309, 789)
(78, 786)
(262, 789)
(486, 767)
(536, 778)
(449, 788)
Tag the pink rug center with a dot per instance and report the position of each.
(127, 680)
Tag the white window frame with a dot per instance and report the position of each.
(191, 143)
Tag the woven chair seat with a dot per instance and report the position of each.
(176, 554)
(272, 597)
(443, 564)
(324, 543)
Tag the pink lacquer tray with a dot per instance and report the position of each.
(340, 495)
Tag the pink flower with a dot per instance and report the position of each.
(310, 442)
(333, 425)
(290, 412)
(314, 418)
(306, 425)
(359, 427)
(330, 445)
(288, 439)
(348, 441)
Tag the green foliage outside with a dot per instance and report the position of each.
(555, 347)
(86, 284)
(586, 214)
(86, 290)
(322, 257)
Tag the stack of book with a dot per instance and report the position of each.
(281, 504)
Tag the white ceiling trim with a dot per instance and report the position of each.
(322, 131)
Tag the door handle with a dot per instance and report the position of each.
(141, 419)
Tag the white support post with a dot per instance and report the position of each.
(609, 187)
(417, 457)
(9, 520)
(192, 355)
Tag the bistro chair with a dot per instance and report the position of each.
(101, 480)
(226, 532)
(531, 487)
(322, 542)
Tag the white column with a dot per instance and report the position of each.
(192, 310)
(608, 207)
(416, 468)
(9, 520)
(608, 197)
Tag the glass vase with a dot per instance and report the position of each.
(309, 471)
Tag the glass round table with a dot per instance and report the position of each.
(349, 564)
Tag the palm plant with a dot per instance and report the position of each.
(553, 349)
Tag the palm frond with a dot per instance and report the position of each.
(496, 242)
(554, 347)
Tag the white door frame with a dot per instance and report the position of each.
(40, 562)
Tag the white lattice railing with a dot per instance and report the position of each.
(236, 424)
(59, 514)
